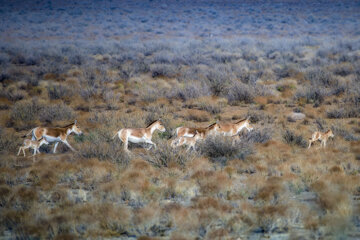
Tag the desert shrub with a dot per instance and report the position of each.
(59, 91)
(320, 78)
(311, 95)
(221, 149)
(198, 116)
(165, 156)
(344, 112)
(56, 112)
(258, 135)
(111, 99)
(97, 144)
(343, 69)
(189, 91)
(291, 138)
(239, 92)
(25, 113)
(163, 70)
(339, 130)
(9, 142)
(13, 94)
(218, 79)
(210, 108)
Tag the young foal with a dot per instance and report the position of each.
(34, 144)
(55, 134)
(231, 129)
(139, 135)
(323, 137)
(190, 132)
(189, 141)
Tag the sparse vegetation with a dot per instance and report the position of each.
(119, 65)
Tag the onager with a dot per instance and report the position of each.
(188, 141)
(34, 144)
(323, 137)
(139, 135)
(190, 132)
(232, 129)
(55, 134)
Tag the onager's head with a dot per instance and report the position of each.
(330, 133)
(76, 129)
(213, 128)
(160, 126)
(248, 126)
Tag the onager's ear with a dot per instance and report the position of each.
(248, 118)
(196, 132)
(75, 121)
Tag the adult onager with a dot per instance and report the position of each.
(188, 141)
(56, 134)
(232, 129)
(190, 132)
(323, 137)
(139, 135)
(34, 144)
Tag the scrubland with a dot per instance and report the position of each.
(267, 184)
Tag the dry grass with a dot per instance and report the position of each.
(266, 183)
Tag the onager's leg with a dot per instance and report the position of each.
(324, 141)
(310, 142)
(19, 151)
(23, 149)
(126, 143)
(34, 151)
(55, 146)
(150, 142)
(67, 144)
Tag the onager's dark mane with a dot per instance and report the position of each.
(152, 123)
(211, 125)
(328, 131)
(242, 120)
(68, 126)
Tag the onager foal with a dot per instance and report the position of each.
(55, 134)
(190, 132)
(231, 129)
(34, 144)
(323, 137)
(139, 135)
(189, 141)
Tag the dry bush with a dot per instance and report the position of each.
(24, 113)
(240, 92)
(56, 112)
(59, 92)
(97, 144)
(222, 149)
(197, 115)
(166, 156)
(293, 139)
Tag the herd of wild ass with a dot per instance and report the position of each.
(184, 135)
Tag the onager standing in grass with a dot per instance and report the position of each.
(323, 137)
(189, 141)
(232, 129)
(34, 144)
(190, 132)
(139, 135)
(55, 134)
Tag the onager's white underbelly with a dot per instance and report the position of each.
(52, 139)
(136, 139)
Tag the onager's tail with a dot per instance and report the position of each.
(117, 133)
(28, 133)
